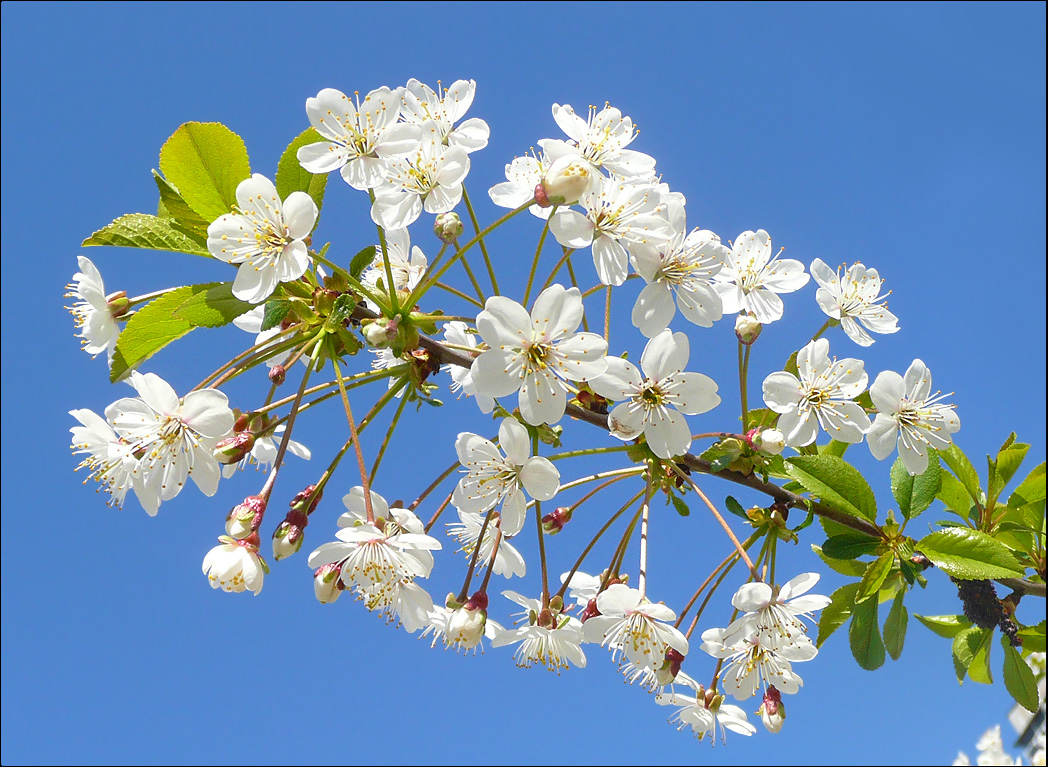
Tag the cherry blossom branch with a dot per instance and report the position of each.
(464, 593)
(556, 268)
(355, 436)
(733, 556)
(436, 483)
(392, 427)
(483, 247)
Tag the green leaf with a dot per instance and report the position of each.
(362, 261)
(214, 307)
(947, 626)
(952, 493)
(895, 627)
(1004, 466)
(761, 417)
(151, 328)
(735, 508)
(139, 230)
(864, 636)
(971, 654)
(849, 567)
(680, 506)
(1031, 489)
(915, 494)
(836, 482)
(969, 554)
(959, 464)
(173, 206)
(849, 546)
(1019, 679)
(205, 162)
(1033, 637)
(292, 177)
(834, 447)
(874, 577)
(837, 612)
(274, 314)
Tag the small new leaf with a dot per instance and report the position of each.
(895, 627)
(875, 575)
(292, 177)
(915, 494)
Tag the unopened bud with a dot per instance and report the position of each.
(554, 522)
(288, 537)
(747, 328)
(770, 442)
(448, 227)
(670, 667)
(240, 420)
(466, 624)
(277, 375)
(118, 303)
(545, 618)
(591, 611)
(234, 449)
(772, 710)
(566, 181)
(381, 333)
(327, 583)
(245, 518)
(305, 501)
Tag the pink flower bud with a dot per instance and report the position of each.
(327, 583)
(246, 517)
(567, 180)
(747, 328)
(772, 710)
(277, 375)
(448, 227)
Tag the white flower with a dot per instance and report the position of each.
(633, 627)
(683, 267)
(651, 403)
(854, 300)
(462, 378)
(693, 711)
(174, 437)
(775, 618)
(455, 629)
(910, 416)
(235, 566)
(619, 217)
(750, 661)
(407, 262)
(421, 103)
(507, 560)
(265, 237)
(567, 179)
(821, 396)
(251, 322)
(492, 479)
(752, 276)
(264, 452)
(555, 647)
(94, 318)
(522, 176)
(582, 587)
(357, 136)
(535, 354)
(109, 460)
(380, 561)
(991, 751)
(429, 178)
(601, 140)
(771, 442)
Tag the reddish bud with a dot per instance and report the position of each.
(540, 196)
(234, 449)
(301, 502)
(591, 611)
(277, 375)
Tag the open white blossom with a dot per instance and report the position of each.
(633, 627)
(174, 437)
(752, 278)
(507, 561)
(407, 263)
(492, 478)
(534, 354)
(821, 394)
(682, 267)
(751, 662)
(110, 460)
(693, 711)
(91, 311)
(582, 587)
(462, 378)
(775, 615)
(251, 322)
(235, 566)
(421, 103)
(430, 179)
(555, 647)
(265, 237)
(444, 627)
(619, 217)
(855, 299)
(991, 751)
(380, 561)
(652, 404)
(601, 140)
(908, 415)
(358, 136)
(522, 176)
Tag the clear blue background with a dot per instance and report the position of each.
(908, 136)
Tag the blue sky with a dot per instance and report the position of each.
(910, 137)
